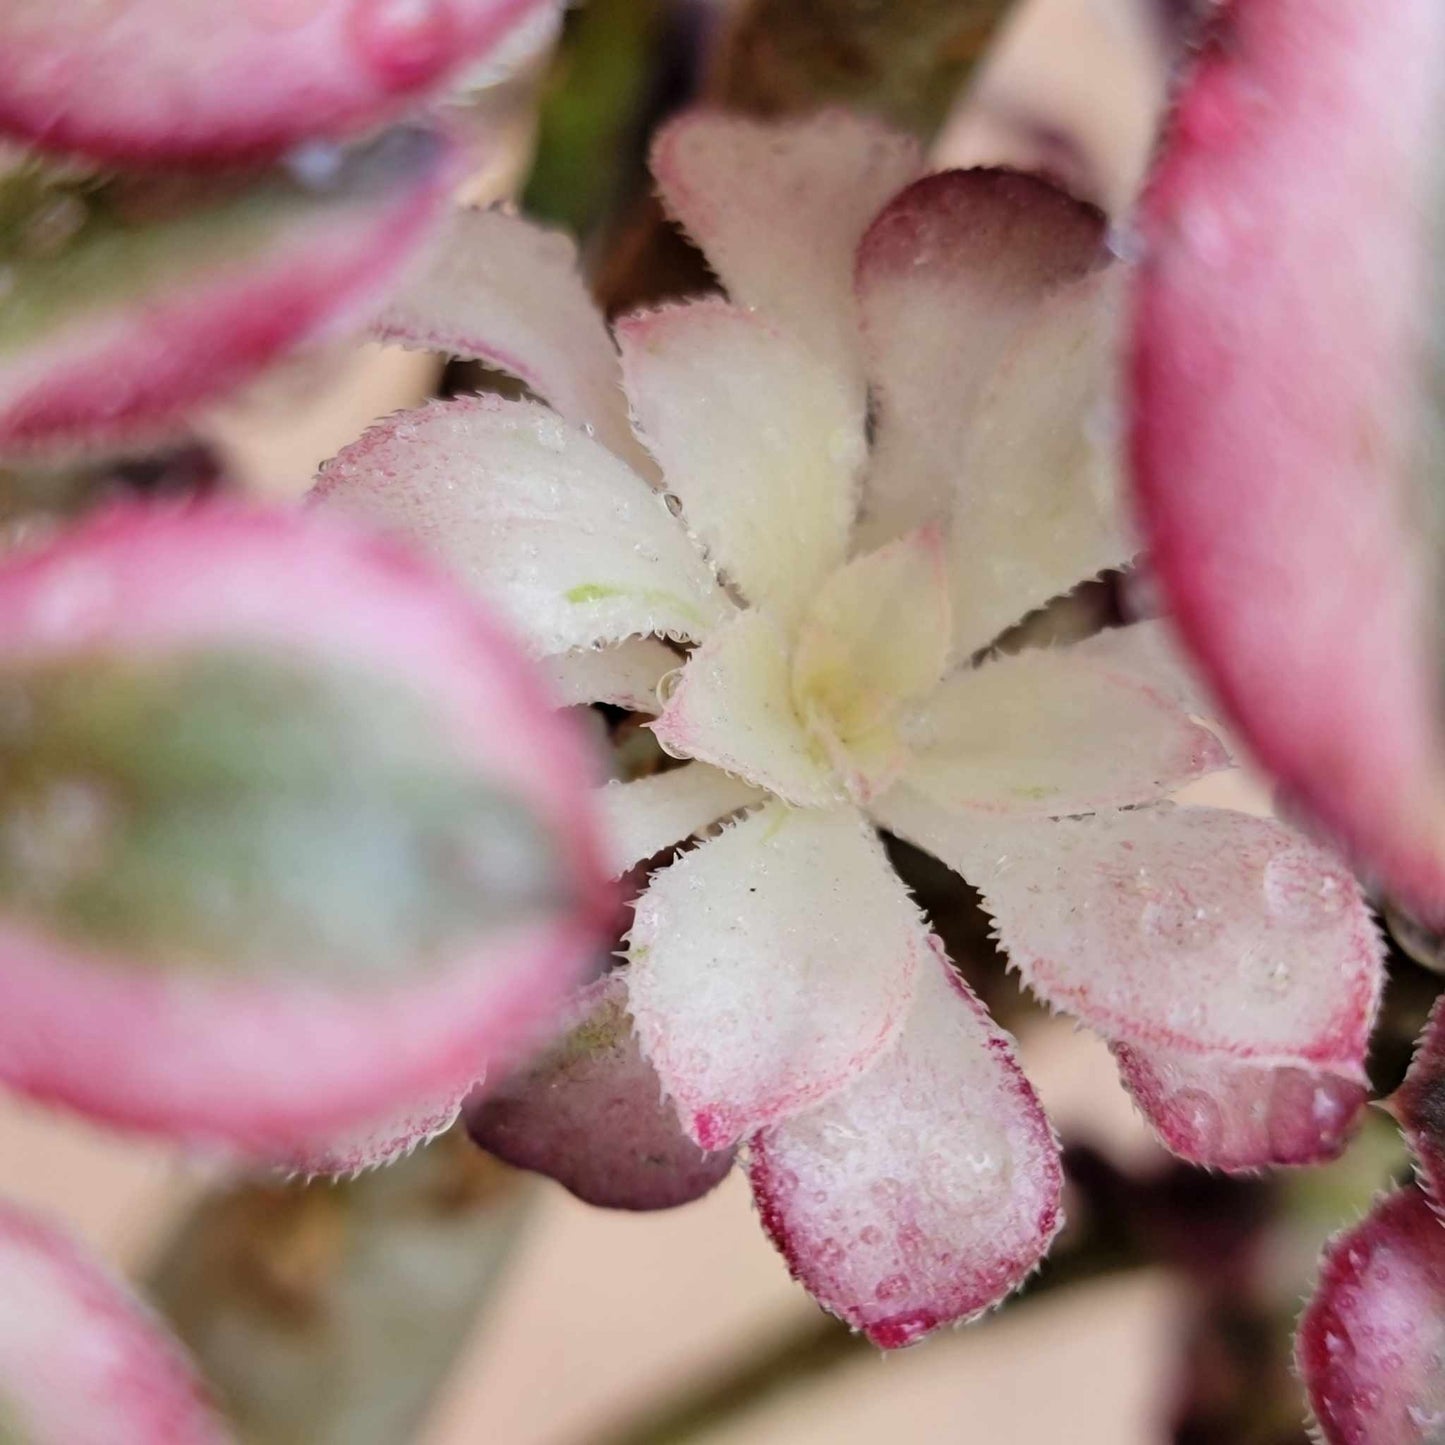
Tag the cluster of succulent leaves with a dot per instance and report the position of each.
(296, 843)
(293, 841)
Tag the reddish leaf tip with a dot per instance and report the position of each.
(1369, 1342)
(589, 1113)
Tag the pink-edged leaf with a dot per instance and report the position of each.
(778, 208)
(500, 289)
(291, 837)
(1054, 732)
(1283, 414)
(756, 437)
(732, 706)
(947, 275)
(926, 1191)
(1150, 654)
(590, 1114)
(130, 302)
(1236, 1115)
(166, 81)
(1371, 1339)
(770, 966)
(539, 518)
(641, 818)
(626, 674)
(83, 1362)
(1209, 943)
(1419, 1103)
(377, 1142)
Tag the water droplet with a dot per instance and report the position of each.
(668, 684)
(403, 42)
(1265, 972)
(1173, 918)
(1310, 1115)
(1302, 894)
(316, 165)
(673, 503)
(1200, 1121)
(893, 1287)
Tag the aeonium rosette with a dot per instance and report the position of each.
(885, 448)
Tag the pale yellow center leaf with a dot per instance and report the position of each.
(873, 644)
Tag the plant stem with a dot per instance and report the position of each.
(328, 1314)
(786, 1361)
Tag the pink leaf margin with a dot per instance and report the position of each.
(118, 1379)
(240, 84)
(1267, 371)
(268, 1069)
(133, 372)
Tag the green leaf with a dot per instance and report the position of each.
(250, 813)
